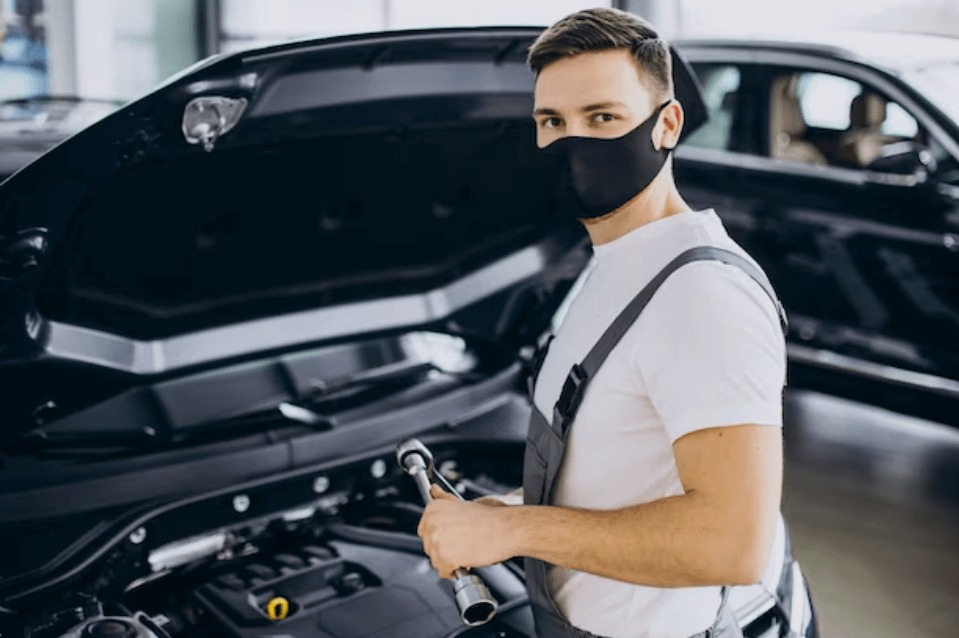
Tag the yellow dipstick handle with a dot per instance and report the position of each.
(277, 608)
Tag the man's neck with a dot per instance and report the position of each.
(659, 200)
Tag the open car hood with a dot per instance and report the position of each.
(291, 195)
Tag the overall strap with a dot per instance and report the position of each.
(537, 364)
(579, 375)
(621, 324)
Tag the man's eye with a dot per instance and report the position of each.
(604, 117)
(551, 122)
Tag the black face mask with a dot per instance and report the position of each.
(591, 177)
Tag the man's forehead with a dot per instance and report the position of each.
(590, 78)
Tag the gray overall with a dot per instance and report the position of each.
(546, 442)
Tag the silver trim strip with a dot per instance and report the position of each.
(153, 357)
(736, 159)
(834, 361)
(752, 161)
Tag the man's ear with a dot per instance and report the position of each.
(670, 126)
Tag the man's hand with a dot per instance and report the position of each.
(464, 534)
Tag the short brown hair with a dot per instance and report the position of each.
(601, 29)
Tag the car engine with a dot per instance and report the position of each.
(344, 564)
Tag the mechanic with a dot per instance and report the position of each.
(664, 488)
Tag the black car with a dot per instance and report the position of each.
(224, 306)
(835, 162)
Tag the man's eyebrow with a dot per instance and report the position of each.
(586, 109)
(602, 105)
(545, 111)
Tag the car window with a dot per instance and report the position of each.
(899, 123)
(721, 85)
(830, 120)
(826, 102)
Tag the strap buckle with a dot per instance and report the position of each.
(569, 399)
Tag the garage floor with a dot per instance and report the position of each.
(872, 499)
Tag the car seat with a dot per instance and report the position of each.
(787, 126)
(863, 140)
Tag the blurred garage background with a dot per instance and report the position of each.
(119, 49)
(871, 494)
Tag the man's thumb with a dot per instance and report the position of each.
(438, 492)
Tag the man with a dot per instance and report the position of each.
(666, 488)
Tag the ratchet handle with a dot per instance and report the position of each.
(422, 484)
(474, 600)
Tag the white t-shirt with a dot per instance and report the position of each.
(707, 351)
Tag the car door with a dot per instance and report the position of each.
(864, 258)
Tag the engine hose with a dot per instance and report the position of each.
(398, 540)
(377, 537)
(403, 506)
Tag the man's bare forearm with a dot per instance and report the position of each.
(719, 531)
(679, 541)
(510, 498)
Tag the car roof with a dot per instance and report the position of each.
(897, 52)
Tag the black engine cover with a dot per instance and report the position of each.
(332, 593)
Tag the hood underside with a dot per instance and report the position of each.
(352, 170)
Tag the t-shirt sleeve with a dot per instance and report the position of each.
(710, 351)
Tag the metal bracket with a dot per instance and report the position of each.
(206, 119)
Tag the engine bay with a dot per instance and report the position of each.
(292, 517)
(343, 562)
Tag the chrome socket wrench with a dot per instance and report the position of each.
(477, 606)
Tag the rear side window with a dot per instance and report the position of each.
(721, 91)
(899, 123)
(825, 100)
(830, 120)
